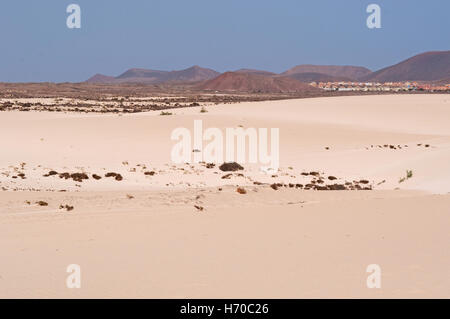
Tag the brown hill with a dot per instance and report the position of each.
(428, 66)
(100, 78)
(191, 74)
(348, 72)
(308, 77)
(245, 82)
(149, 75)
(257, 72)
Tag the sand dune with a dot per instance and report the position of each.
(142, 235)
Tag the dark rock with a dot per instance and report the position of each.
(64, 175)
(110, 174)
(42, 203)
(337, 187)
(231, 166)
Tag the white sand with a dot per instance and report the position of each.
(286, 243)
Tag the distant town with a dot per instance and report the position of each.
(385, 87)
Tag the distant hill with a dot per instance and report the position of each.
(192, 74)
(338, 71)
(100, 78)
(246, 82)
(152, 75)
(428, 66)
(308, 77)
(257, 72)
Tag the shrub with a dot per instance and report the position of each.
(231, 166)
(409, 174)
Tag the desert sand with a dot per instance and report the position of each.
(168, 230)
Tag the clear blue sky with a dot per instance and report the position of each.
(36, 44)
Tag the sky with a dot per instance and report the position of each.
(115, 35)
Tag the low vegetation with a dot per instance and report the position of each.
(409, 174)
(230, 167)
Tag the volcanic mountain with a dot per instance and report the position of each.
(317, 77)
(254, 83)
(142, 75)
(334, 71)
(100, 78)
(192, 74)
(256, 72)
(428, 66)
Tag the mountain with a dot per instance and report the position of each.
(246, 82)
(428, 66)
(317, 77)
(257, 72)
(348, 72)
(148, 75)
(192, 74)
(100, 78)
